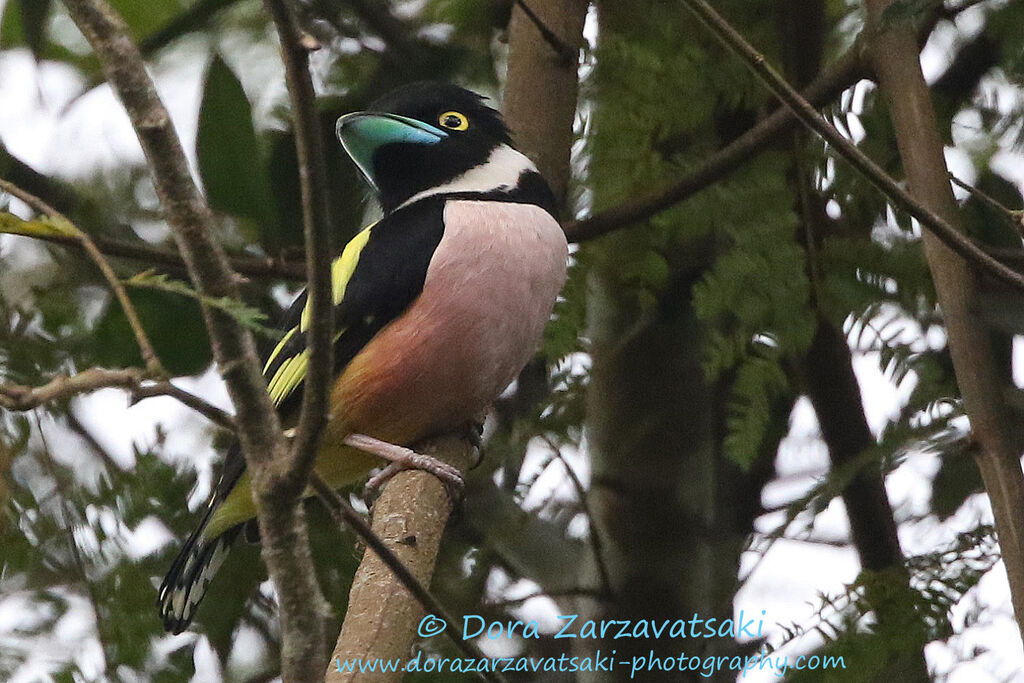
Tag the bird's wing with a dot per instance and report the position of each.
(379, 274)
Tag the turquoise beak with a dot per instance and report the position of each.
(362, 133)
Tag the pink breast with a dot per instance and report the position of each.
(489, 292)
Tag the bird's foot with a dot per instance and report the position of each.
(402, 458)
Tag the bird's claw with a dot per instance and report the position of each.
(402, 458)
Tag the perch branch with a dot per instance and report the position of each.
(409, 518)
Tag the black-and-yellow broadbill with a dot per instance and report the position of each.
(438, 305)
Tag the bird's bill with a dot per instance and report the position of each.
(363, 133)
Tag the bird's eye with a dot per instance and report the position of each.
(453, 120)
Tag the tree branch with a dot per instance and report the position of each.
(825, 87)
(980, 379)
(20, 398)
(247, 266)
(409, 519)
(344, 515)
(290, 482)
(541, 92)
(593, 530)
(810, 117)
(1013, 219)
(207, 410)
(282, 522)
(316, 218)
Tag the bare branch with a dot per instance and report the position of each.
(208, 410)
(21, 398)
(595, 533)
(149, 357)
(316, 218)
(1015, 219)
(281, 519)
(290, 481)
(408, 520)
(810, 117)
(253, 267)
(344, 515)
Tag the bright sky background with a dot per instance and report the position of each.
(94, 131)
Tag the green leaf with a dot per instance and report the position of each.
(146, 16)
(40, 227)
(174, 324)
(246, 316)
(232, 171)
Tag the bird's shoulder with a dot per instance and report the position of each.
(378, 274)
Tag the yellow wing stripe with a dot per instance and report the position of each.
(341, 272)
(278, 348)
(288, 376)
(292, 371)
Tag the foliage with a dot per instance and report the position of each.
(735, 268)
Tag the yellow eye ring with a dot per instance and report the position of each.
(453, 120)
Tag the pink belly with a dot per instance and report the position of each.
(488, 293)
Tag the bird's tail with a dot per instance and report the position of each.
(190, 574)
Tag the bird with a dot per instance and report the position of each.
(437, 306)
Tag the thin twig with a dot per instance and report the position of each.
(20, 398)
(208, 410)
(566, 53)
(344, 515)
(1013, 218)
(595, 535)
(316, 219)
(67, 527)
(249, 266)
(582, 592)
(76, 426)
(808, 115)
(149, 357)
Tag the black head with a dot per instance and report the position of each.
(431, 137)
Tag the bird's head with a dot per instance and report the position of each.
(430, 138)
